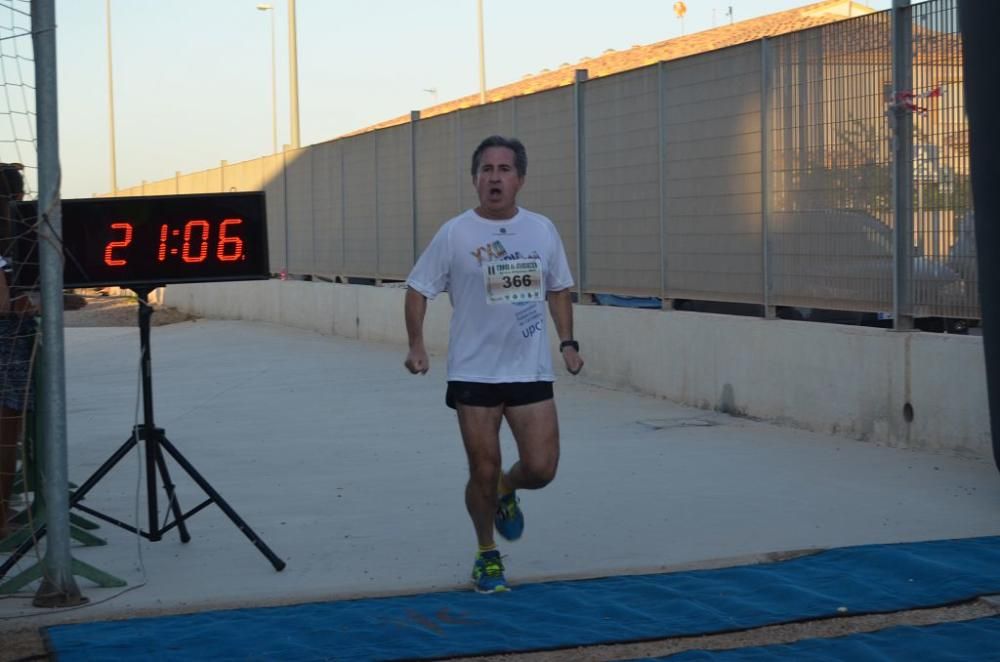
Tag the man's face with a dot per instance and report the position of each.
(497, 183)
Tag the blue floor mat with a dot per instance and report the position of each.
(852, 580)
(967, 640)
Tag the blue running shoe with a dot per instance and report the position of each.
(487, 573)
(509, 519)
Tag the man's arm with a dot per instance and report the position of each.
(561, 309)
(414, 310)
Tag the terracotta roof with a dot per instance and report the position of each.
(613, 62)
(868, 42)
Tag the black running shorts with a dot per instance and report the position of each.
(511, 394)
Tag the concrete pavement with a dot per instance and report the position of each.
(351, 470)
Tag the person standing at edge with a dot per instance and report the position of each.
(17, 341)
(499, 264)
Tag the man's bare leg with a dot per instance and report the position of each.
(536, 431)
(480, 427)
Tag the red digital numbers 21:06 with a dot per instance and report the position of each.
(192, 242)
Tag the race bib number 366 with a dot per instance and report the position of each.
(513, 281)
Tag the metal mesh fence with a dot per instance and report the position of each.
(299, 211)
(760, 173)
(621, 167)
(545, 123)
(395, 201)
(245, 176)
(830, 221)
(945, 282)
(360, 229)
(438, 177)
(713, 176)
(328, 213)
(19, 169)
(277, 224)
(474, 124)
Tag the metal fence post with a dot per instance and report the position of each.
(317, 268)
(58, 587)
(378, 221)
(414, 118)
(770, 310)
(902, 167)
(456, 122)
(661, 82)
(343, 213)
(284, 201)
(581, 184)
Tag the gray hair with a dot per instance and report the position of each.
(513, 144)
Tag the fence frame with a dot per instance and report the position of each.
(801, 79)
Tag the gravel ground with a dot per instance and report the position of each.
(22, 642)
(91, 308)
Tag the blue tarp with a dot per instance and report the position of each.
(853, 580)
(627, 301)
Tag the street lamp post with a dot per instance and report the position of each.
(263, 6)
(111, 105)
(293, 73)
(482, 54)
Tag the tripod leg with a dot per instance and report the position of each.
(168, 485)
(210, 491)
(102, 470)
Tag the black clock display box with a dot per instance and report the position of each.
(149, 240)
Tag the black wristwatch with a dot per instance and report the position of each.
(569, 343)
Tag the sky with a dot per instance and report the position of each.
(192, 78)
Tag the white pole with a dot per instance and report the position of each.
(274, 93)
(274, 81)
(111, 105)
(482, 56)
(293, 73)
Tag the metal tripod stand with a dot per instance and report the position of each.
(156, 442)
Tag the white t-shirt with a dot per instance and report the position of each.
(497, 274)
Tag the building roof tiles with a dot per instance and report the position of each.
(612, 62)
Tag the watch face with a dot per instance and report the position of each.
(157, 240)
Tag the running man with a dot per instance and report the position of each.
(500, 265)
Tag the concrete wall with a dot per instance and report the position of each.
(917, 390)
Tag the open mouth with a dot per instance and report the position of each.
(495, 191)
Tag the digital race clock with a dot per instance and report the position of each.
(156, 240)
